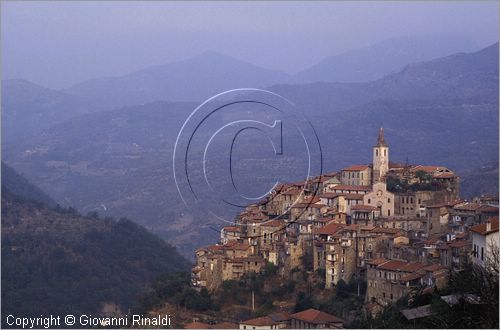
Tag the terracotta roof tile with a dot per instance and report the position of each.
(273, 223)
(237, 246)
(411, 277)
(488, 209)
(315, 316)
(433, 267)
(467, 206)
(231, 229)
(481, 229)
(398, 265)
(260, 321)
(349, 187)
(329, 229)
(280, 316)
(459, 243)
(356, 168)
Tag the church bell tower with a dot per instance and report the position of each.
(380, 157)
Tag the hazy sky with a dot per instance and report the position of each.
(60, 43)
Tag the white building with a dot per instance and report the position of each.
(484, 241)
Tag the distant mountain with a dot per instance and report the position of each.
(462, 76)
(377, 60)
(55, 261)
(195, 79)
(480, 180)
(28, 108)
(15, 184)
(118, 162)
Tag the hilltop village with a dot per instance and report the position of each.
(398, 227)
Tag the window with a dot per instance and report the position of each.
(482, 253)
(369, 201)
(388, 213)
(391, 296)
(419, 201)
(388, 200)
(383, 294)
(385, 152)
(376, 152)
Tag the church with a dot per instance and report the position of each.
(379, 197)
(399, 190)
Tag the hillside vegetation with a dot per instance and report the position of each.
(56, 261)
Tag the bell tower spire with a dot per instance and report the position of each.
(381, 138)
(380, 157)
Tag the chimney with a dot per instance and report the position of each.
(488, 225)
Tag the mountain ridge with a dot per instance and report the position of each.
(196, 78)
(382, 58)
(56, 261)
(122, 158)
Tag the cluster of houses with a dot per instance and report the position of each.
(398, 227)
(307, 319)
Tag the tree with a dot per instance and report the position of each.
(304, 301)
(270, 269)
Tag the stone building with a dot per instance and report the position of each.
(485, 242)
(383, 278)
(356, 175)
(315, 319)
(380, 198)
(380, 158)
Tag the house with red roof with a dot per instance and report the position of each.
(356, 175)
(280, 320)
(389, 280)
(315, 319)
(485, 242)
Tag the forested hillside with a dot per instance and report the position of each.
(56, 261)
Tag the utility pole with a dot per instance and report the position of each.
(253, 300)
(356, 260)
